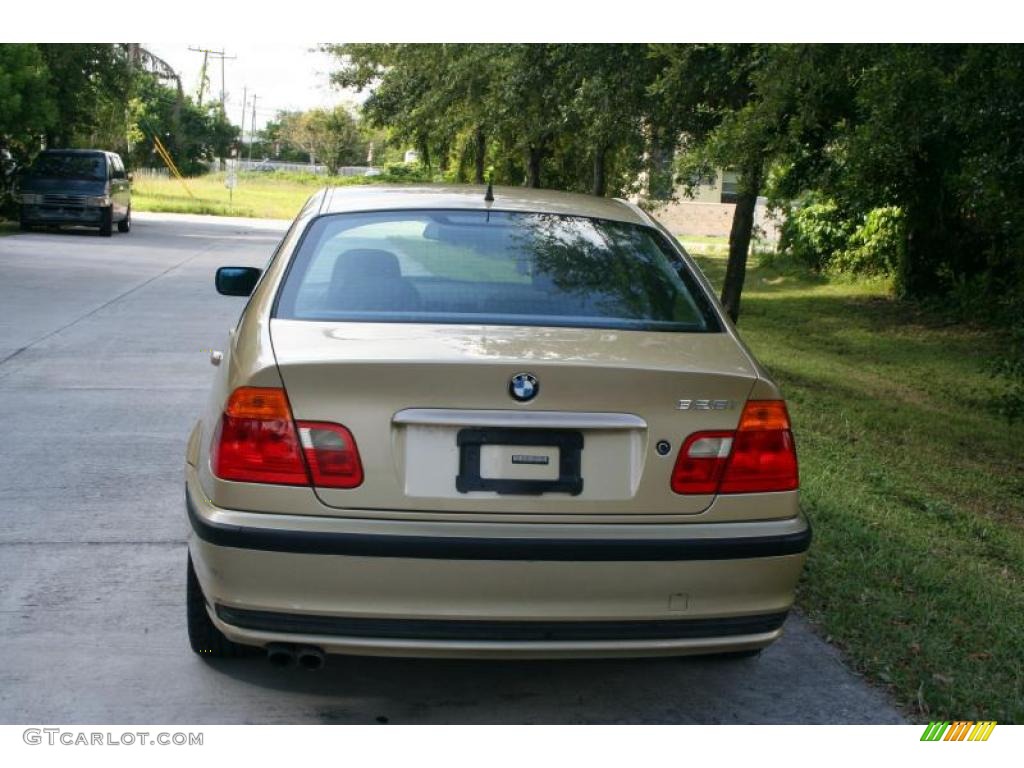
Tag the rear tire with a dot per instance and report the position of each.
(206, 640)
(126, 224)
(106, 222)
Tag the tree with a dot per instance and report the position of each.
(26, 109)
(328, 136)
(921, 132)
(435, 97)
(336, 138)
(928, 130)
(566, 112)
(612, 107)
(88, 82)
(193, 135)
(711, 100)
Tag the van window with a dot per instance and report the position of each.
(70, 165)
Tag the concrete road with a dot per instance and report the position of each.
(102, 370)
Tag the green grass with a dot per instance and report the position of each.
(257, 195)
(8, 227)
(914, 487)
(714, 245)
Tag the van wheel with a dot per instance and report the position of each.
(107, 222)
(206, 640)
(126, 224)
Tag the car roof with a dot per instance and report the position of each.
(75, 152)
(389, 197)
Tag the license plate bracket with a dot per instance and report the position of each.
(568, 442)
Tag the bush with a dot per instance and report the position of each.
(821, 236)
(875, 247)
(813, 232)
(405, 172)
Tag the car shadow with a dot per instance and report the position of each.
(361, 689)
(67, 230)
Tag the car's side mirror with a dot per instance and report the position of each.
(237, 281)
(131, 177)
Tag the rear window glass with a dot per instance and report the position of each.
(495, 268)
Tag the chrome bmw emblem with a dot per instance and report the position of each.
(523, 387)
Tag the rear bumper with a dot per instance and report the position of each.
(521, 591)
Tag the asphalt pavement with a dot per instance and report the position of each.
(104, 364)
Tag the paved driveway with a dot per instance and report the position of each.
(102, 370)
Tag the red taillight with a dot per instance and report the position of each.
(331, 454)
(257, 442)
(701, 461)
(757, 458)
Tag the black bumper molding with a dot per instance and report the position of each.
(498, 631)
(478, 548)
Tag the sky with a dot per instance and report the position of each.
(289, 76)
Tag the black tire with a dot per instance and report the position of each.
(206, 640)
(23, 223)
(126, 224)
(107, 222)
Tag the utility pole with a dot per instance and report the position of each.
(202, 73)
(241, 123)
(207, 53)
(252, 130)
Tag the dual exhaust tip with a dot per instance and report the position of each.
(307, 657)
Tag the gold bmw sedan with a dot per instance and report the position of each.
(518, 424)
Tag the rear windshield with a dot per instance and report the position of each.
(494, 268)
(59, 165)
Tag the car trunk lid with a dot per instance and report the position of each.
(438, 430)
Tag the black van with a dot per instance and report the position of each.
(87, 187)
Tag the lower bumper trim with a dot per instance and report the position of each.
(494, 548)
(498, 631)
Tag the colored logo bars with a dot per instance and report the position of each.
(961, 730)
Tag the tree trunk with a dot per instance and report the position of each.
(533, 159)
(927, 238)
(444, 156)
(739, 241)
(480, 158)
(600, 155)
